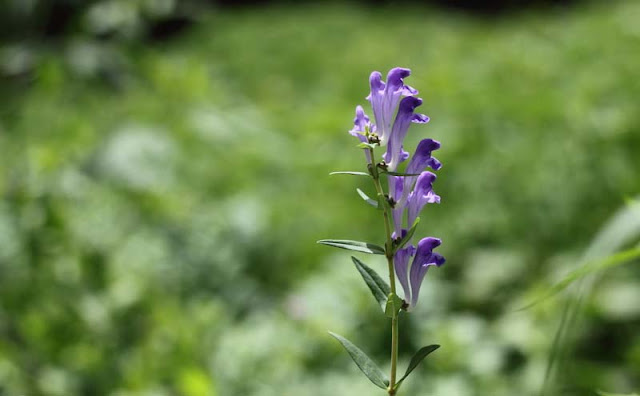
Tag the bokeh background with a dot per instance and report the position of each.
(164, 178)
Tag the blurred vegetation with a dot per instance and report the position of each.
(160, 201)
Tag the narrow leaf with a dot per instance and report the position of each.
(598, 265)
(364, 363)
(364, 196)
(379, 288)
(393, 306)
(407, 237)
(367, 145)
(355, 173)
(357, 246)
(416, 359)
(601, 393)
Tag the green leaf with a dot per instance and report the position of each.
(593, 266)
(407, 237)
(379, 288)
(363, 247)
(601, 393)
(364, 363)
(400, 173)
(367, 145)
(364, 196)
(416, 359)
(393, 306)
(355, 173)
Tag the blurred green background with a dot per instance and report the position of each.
(164, 178)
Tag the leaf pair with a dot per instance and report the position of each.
(372, 371)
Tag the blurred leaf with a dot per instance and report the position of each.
(417, 359)
(620, 230)
(364, 363)
(379, 288)
(355, 173)
(367, 145)
(357, 246)
(601, 393)
(364, 196)
(599, 265)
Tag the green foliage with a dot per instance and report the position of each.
(379, 288)
(357, 246)
(159, 202)
(405, 239)
(416, 359)
(364, 363)
(366, 198)
(355, 173)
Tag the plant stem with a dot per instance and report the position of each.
(392, 277)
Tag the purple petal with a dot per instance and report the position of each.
(395, 192)
(422, 156)
(401, 262)
(421, 195)
(384, 98)
(395, 81)
(423, 259)
(403, 120)
(360, 124)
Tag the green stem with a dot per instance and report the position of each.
(392, 278)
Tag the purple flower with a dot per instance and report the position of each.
(384, 98)
(395, 193)
(360, 125)
(424, 258)
(393, 104)
(401, 263)
(395, 153)
(421, 195)
(421, 159)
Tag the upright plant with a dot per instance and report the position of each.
(393, 104)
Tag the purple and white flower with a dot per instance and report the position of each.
(384, 98)
(423, 259)
(361, 125)
(395, 152)
(394, 104)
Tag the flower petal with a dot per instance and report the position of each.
(403, 120)
(401, 262)
(421, 195)
(360, 124)
(424, 258)
(384, 98)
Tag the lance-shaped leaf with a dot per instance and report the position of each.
(379, 288)
(364, 196)
(364, 363)
(367, 145)
(363, 247)
(355, 173)
(407, 236)
(416, 359)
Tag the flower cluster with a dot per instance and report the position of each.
(408, 193)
